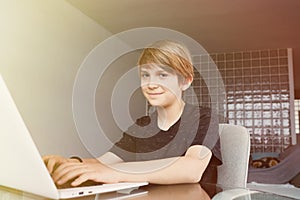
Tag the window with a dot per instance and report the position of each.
(257, 94)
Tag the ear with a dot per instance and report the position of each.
(187, 83)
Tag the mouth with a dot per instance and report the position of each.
(154, 93)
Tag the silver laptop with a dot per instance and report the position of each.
(22, 167)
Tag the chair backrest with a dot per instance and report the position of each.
(235, 150)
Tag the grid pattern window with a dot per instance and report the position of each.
(208, 89)
(297, 115)
(258, 94)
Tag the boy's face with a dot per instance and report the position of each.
(160, 85)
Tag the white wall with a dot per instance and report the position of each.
(113, 126)
(42, 44)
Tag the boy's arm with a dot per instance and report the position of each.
(185, 169)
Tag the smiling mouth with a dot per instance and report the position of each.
(155, 94)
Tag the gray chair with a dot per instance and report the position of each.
(235, 150)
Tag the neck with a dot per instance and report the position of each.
(169, 115)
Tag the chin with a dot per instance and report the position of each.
(161, 105)
(155, 103)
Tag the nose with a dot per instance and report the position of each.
(152, 85)
(151, 82)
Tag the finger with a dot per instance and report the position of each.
(50, 162)
(50, 165)
(45, 158)
(68, 172)
(61, 166)
(81, 179)
(72, 175)
(61, 170)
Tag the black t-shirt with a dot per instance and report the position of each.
(196, 126)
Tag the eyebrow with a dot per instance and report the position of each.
(162, 69)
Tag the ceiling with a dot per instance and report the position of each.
(218, 25)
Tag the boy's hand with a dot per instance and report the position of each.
(53, 161)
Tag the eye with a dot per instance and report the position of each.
(163, 75)
(144, 75)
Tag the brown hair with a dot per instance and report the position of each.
(170, 54)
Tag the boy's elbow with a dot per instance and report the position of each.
(197, 166)
(196, 175)
(196, 170)
(195, 178)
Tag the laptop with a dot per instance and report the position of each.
(22, 167)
